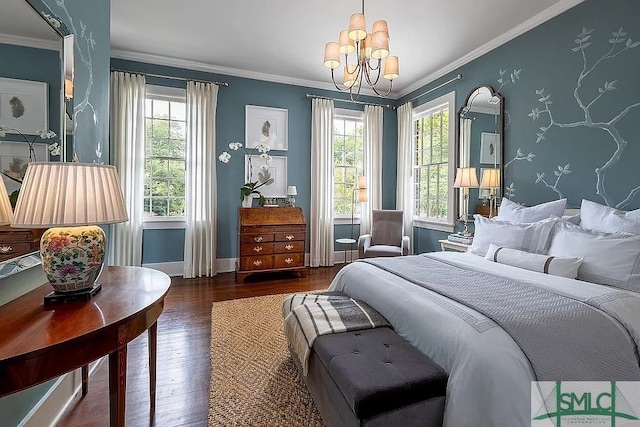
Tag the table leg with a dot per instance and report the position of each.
(118, 380)
(153, 345)
(85, 380)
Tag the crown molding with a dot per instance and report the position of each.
(540, 18)
(216, 69)
(29, 42)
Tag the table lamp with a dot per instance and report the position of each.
(73, 198)
(491, 180)
(361, 190)
(6, 213)
(466, 178)
(291, 192)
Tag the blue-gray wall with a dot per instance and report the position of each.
(91, 102)
(548, 61)
(167, 245)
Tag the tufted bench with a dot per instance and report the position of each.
(375, 377)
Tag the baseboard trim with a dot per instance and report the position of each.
(52, 406)
(225, 265)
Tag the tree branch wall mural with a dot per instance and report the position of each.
(585, 99)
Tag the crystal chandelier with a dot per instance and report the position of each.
(368, 65)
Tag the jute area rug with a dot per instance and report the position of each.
(254, 381)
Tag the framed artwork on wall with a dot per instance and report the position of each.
(14, 157)
(277, 170)
(490, 148)
(266, 125)
(24, 105)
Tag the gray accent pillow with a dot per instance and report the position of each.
(386, 228)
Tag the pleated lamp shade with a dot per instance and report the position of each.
(69, 194)
(6, 213)
(466, 178)
(490, 178)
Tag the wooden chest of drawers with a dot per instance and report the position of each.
(15, 242)
(270, 239)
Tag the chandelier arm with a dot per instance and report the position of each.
(335, 84)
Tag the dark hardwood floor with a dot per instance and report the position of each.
(183, 367)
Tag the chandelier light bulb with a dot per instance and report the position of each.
(391, 68)
(357, 27)
(332, 55)
(347, 45)
(380, 45)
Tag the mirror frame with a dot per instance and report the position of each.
(500, 128)
(67, 41)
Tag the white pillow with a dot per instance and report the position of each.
(608, 259)
(573, 219)
(556, 266)
(513, 212)
(594, 216)
(525, 237)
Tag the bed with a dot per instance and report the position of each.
(490, 369)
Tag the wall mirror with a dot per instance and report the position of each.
(481, 146)
(36, 46)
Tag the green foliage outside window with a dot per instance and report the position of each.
(164, 178)
(348, 161)
(431, 165)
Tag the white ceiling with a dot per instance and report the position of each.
(283, 40)
(20, 24)
(286, 38)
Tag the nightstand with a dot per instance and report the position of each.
(454, 246)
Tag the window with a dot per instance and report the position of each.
(164, 177)
(433, 162)
(348, 159)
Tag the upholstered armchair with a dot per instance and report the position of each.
(386, 238)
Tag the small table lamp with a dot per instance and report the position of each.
(362, 197)
(73, 198)
(6, 213)
(491, 180)
(291, 192)
(466, 178)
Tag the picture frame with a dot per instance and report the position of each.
(14, 157)
(277, 171)
(24, 105)
(489, 148)
(266, 125)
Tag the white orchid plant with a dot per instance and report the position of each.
(264, 176)
(17, 170)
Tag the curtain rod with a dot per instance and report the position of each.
(172, 77)
(458, 77)
(309, 95)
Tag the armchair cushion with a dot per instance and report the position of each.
(386, 228)
(383, 250)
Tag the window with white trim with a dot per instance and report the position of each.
(434, 162)
(348, 160)
(165, 149)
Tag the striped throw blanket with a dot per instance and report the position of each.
(308, 316)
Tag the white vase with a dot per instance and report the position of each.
(247, 201)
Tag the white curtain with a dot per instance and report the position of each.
(127, 134)
(372, 164)
(404, 191)
(321, 216)
(200, 185)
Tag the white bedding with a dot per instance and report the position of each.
(489, 376)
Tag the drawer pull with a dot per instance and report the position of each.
(257, 262)
(288, 247)
(258, 239)
(257, 249)
(288, 260)
(290, 237)
(5, 249)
